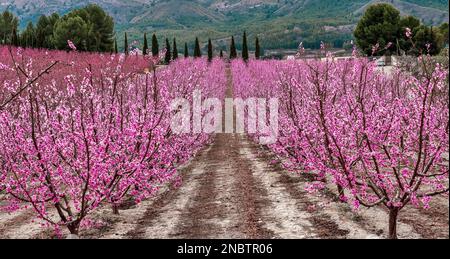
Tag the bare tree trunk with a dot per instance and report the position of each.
(393, 216)
(115, 209)
(341, 192)
(74, 228)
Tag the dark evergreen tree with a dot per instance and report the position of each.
(443, 29)
(379, 25)
(197, 50)
(257, 49)
(72, 28)
(186, 50)
(41, 32)
(8, 23)
(28, 36)
(405, 44)
(168, 55)
(99, 31)
(126, 44)
(155, 46)
(210, 50)
(175, 49)
(233, 52)
(145, 48)
(14, 38)
(221, 54)
(116, 48)
(244, 47)
(427, 41)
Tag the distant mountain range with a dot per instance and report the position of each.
(279, 23)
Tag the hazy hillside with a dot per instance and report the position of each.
(280, 23)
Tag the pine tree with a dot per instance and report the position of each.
(221, 54)
(175, 49)
(244, 47)
(210, 50)
(257, 49)
(186, 50)
(233, 52)
(197, 51)
(155, 46)
(167, 57)
(126, 44)
(145, 48)
(116, 48)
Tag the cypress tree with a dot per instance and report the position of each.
(126, 44)
(244, 47)
(116, 49)
(14, 38)
(257, 49)
(167, 57)
(175, 49)
(210, 50)
(197, 51)
(233, 52)
(221, 54)
(155, 46)
(186, 50)
(145, 48)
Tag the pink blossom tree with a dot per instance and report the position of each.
(97, 131)
(381, 139)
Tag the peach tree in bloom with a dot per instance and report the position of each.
(79, 131)
(383, 140)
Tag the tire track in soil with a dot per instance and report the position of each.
(229, 202)
(315, 223)
(162, 210)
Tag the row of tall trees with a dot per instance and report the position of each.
(171, 52)
(383, 26)
(89, 28)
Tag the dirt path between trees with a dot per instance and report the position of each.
(234, 188)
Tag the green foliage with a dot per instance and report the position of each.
(221, 54)
(379, 25)
(245, 47)
(197, 50)
(382, 24)
(186, 50)
(168, 56)
(89, 28)
(28, 36)
(428, 40)
(98, 31)
(443, 29)
(44, 31)
(8, 25)
(101, 28)
(233, 52)
(175, 49)
(145, 48)
(257, 49)
(210, 50)
(125, 44)
(155, 46)
(116, 48)
(14, 38)
(72, 28)
(412, 23)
